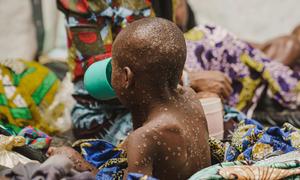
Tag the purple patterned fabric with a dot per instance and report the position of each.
(213, 48)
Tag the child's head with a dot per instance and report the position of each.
(148, 56)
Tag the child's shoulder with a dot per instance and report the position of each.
(159, 127)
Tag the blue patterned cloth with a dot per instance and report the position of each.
(232, 113)
(136, 176)
(109, 159)
(252, 141)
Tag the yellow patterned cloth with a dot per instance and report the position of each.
(27, 89)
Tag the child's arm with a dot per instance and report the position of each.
(141, 151)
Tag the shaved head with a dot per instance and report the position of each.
(154, 49)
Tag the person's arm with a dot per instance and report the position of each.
(284, 49)
(140, 153)
(211, 81)
(80, 164)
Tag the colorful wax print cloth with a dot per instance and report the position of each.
(92, 25)
(9, 129)
(210, 47)
(250, 140)
(109, 159)
(212, 171)
(274, 167)
(36, 138)
(137, 176)
(27, 89)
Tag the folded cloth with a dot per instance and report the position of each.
(94, 119)
(137, 176)
(8, 158)
(27, 89)
(56, 167)
(9, 129)
(212, 172)
(110, 160)
(20, 171)
(280, 160)
(284, 166)
(252, 172)
(36, 138)
(27, 151)
(252, 141)
(232, 113)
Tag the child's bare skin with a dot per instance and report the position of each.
(170, 138)
(79, 163)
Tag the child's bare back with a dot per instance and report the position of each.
(172, 144)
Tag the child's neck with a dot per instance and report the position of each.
(143, 110)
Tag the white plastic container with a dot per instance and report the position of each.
(213, 110)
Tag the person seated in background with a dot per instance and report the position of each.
(170, 137)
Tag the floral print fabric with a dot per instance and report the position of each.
(213, 48)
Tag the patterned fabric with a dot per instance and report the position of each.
(213, 48)
(252, 141)
(217, 149)
(9, 129)
(231, 113)
(212, 171)
(36, 138)
(26, 91)
(260, 170)
(92, 26)
(252, 172)
(278, 161)
(110, 160)
(136, 176)
(96, 119)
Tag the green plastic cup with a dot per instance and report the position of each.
(97, 80)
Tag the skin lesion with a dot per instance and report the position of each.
(150, 143)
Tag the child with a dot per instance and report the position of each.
(170, 138)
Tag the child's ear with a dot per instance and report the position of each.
(128, 77)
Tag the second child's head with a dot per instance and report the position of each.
(148, 58)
